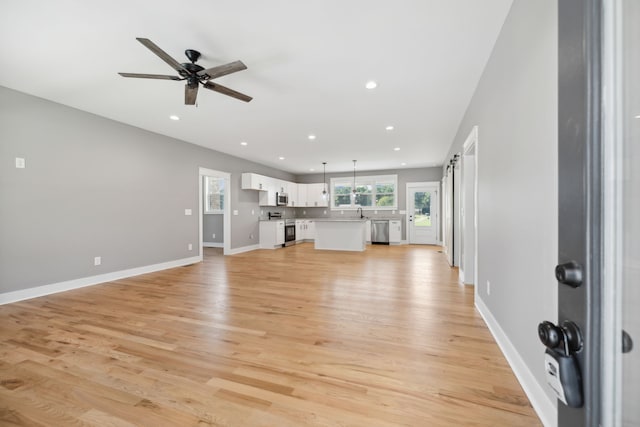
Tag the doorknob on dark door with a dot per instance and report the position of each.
(569, 273)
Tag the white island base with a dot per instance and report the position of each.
(340, 234)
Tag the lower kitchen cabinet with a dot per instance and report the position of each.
(395, 232)
(305, 230)
(299, 230)
(271, 234)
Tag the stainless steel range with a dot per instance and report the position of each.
(289, 232)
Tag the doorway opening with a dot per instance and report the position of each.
(214, 211)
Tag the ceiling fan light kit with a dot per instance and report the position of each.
(194, 74)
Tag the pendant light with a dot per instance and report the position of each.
(353, 193)
(325, 193)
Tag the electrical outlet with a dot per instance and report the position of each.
(341, 212)
(325, 212)
(190, 247)
(97, 260)
(253, 212)
(488, 287)
(251, 236)
(213, 235)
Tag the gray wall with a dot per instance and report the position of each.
(515, 108)
(404, 176)
(96, 187)
(213, 224)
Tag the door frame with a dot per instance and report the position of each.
(471, 144)
(436, 186)
(226, 248)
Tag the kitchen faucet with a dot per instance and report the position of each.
(361, 214)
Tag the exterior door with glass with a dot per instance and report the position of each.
(422, 213)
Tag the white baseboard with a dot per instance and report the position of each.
(544, 407)
(213, 244)
(243, 249)
(54, 288)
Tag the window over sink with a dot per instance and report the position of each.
(372, 192)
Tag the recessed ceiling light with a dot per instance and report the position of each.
(281, 158)
(311, 170)
(243, 143)
(403, 164)
(389, 128)
(638, 116)
(396, 149)
(371, 84)
(174, 117)
(311, 137)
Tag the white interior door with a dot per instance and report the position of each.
(422, 213)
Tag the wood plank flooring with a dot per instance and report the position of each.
(291, 337)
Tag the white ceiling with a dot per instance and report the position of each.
(308, 62)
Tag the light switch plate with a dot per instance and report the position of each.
(235, 212)
(187, 212)
(97, 260)
(20, 163)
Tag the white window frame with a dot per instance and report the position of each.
(205, 194)
(364, 180)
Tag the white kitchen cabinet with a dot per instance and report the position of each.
(253, 181)
(271, 234)
(292, 191)
(314, 195)
(367, 231)
(395, 232)
(267, 198)
(301, 199)
(310, 230)
(305, 230)
(299, 230)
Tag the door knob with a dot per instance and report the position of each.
(569, 273)
(627, 342)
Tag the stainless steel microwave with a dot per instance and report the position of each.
(282, 199)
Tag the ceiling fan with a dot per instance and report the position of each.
(193, 73)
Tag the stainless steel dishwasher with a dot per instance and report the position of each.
(380, 231)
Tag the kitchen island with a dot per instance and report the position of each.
(340, 234)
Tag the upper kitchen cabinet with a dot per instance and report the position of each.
(314, 196)
(301, 198)
(292, 191)
(253, 181)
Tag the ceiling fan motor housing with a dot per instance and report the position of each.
(193, 55)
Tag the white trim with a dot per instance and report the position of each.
(213, 244)
(54, 288)
(243, 249)
(227, 208)
(544, 407)
(471, 143)
(613, 253)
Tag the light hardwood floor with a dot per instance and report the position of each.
(291, 337)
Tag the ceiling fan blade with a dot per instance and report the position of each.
(162, 54)
(151, 76)
(190, 94)
(226, 91)
(223, 70)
